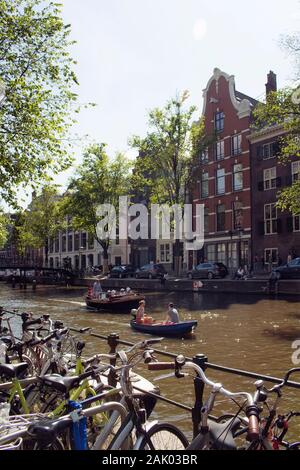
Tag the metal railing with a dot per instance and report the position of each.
(113, 340)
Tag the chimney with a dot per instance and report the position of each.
(271, 84)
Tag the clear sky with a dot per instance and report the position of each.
(134, 55)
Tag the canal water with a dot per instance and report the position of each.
(242, 331)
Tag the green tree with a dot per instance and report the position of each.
(36, 70)
(41, 221)
(170, 156)
(3, 229)
(282, 108)
(99, 180)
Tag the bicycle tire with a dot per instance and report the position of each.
(164, 436)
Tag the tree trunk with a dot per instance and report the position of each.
(105, 260)
(177, 258)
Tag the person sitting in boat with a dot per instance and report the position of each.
(140, 313)
(97, 289)
(172, 315)
(122, 292)
(128, 290)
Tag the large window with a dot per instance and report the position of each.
(221, 218)
(165, 253)
(270, 219)
(270, 178)
(232, 255)
(221, 253)
(296, 171)
(220, 150)
(236, 144)
(204, 185)
(76, 241)
(219, 121)
(56, 244)
(206, 220)
(237, 215)
(83, 240)
(220, 183)
(237, 177)
(64, 242)
(270, 150)
(90, 241)
(296, 223)
(271, 256)
(204, 156)
(70, 240)
(211, 252)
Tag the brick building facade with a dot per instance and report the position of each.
(224, 185)
(275, 234)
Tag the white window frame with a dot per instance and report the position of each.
(217, 181)
(235, 172)
(206, 180)
(165, 253)
(221, 119)
(204, 156)
(296, 217)
(220, 150)
(270, 175)
(211, 253)
(236, 144)
(271, 250)
(271, 219)
(267, 150)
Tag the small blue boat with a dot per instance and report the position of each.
(175, 330)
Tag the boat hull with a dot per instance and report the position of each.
(177, 330)
(115, 305)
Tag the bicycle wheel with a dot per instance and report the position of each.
(164, 436)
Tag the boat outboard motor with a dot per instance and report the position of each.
(133, 313)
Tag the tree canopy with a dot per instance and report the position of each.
(99, 180)
(283, 108)
(40, 221)
(37, 77)
(169, 156)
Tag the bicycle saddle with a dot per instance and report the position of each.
(12, 371)
(220, 436)
(46, 431)
(61, 384)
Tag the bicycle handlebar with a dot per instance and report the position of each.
(252, 411)
(284, 381)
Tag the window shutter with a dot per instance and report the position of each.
(259, 152)
(289, 180)
(279, 226)
(261, 228)
(260, 186)
(278, 182)
(290, 224)
(276, 149)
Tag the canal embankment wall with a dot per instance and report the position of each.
(249, 286)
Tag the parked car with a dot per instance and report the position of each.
(288, 271)
(96, 270)
(150, 271)
(208, 271)
(124, 270)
